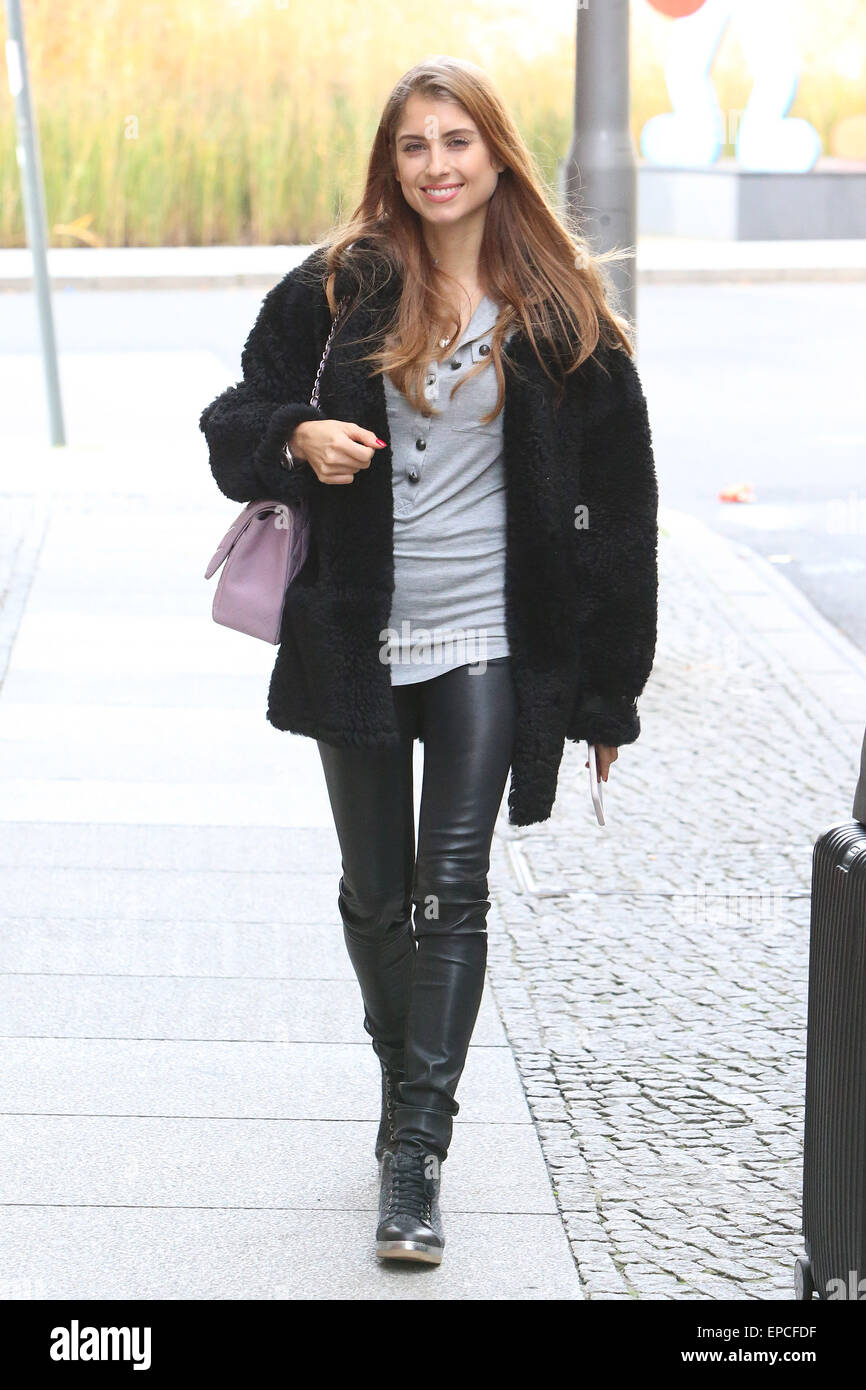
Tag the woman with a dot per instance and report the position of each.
(482, 568)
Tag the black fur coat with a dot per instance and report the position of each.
(581, 600)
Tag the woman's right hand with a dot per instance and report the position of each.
(334, 449)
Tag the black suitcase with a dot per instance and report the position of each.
(834, 1148)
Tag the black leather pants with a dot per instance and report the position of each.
(421, 994)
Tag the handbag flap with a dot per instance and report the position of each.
(235, 531)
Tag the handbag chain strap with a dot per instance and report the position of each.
(288, 461)
(341, 309)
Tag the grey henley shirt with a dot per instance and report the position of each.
(448, 607)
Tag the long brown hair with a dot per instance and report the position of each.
(545, 275)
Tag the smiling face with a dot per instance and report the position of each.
(438, 147)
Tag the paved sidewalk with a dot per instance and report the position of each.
(669, 260)
(653, 973)
(189, 1099)
(183, 1048)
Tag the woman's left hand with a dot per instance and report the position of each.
(604, 756)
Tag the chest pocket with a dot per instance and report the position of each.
(477, 397)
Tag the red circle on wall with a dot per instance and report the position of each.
(676, 9)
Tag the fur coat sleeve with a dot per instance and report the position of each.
(616, 557)
(247, 425)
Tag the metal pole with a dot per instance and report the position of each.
(600, 171)
(33, 197)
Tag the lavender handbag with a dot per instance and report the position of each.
(263, 550)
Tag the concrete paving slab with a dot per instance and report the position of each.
(247, 848)
(141, 744)
(300, 801)
(178, 1009)
(200, 691)
(173, 894)
(277, 1080)
(273, 896)
(137, 1253)
(276, 1164)
(162, 644)
(156, 947)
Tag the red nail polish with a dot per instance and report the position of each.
(381, 443)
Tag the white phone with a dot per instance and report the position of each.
(595, 786)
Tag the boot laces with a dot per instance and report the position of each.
(410, 1193)
(390, 1089)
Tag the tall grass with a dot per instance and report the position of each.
(187, 122)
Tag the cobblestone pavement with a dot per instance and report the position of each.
(652, 974)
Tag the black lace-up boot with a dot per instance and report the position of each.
(410, 1222)
(391, 1078)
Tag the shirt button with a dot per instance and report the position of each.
(420, 443)
(484, 349)
(413, 475)
(455, 363)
